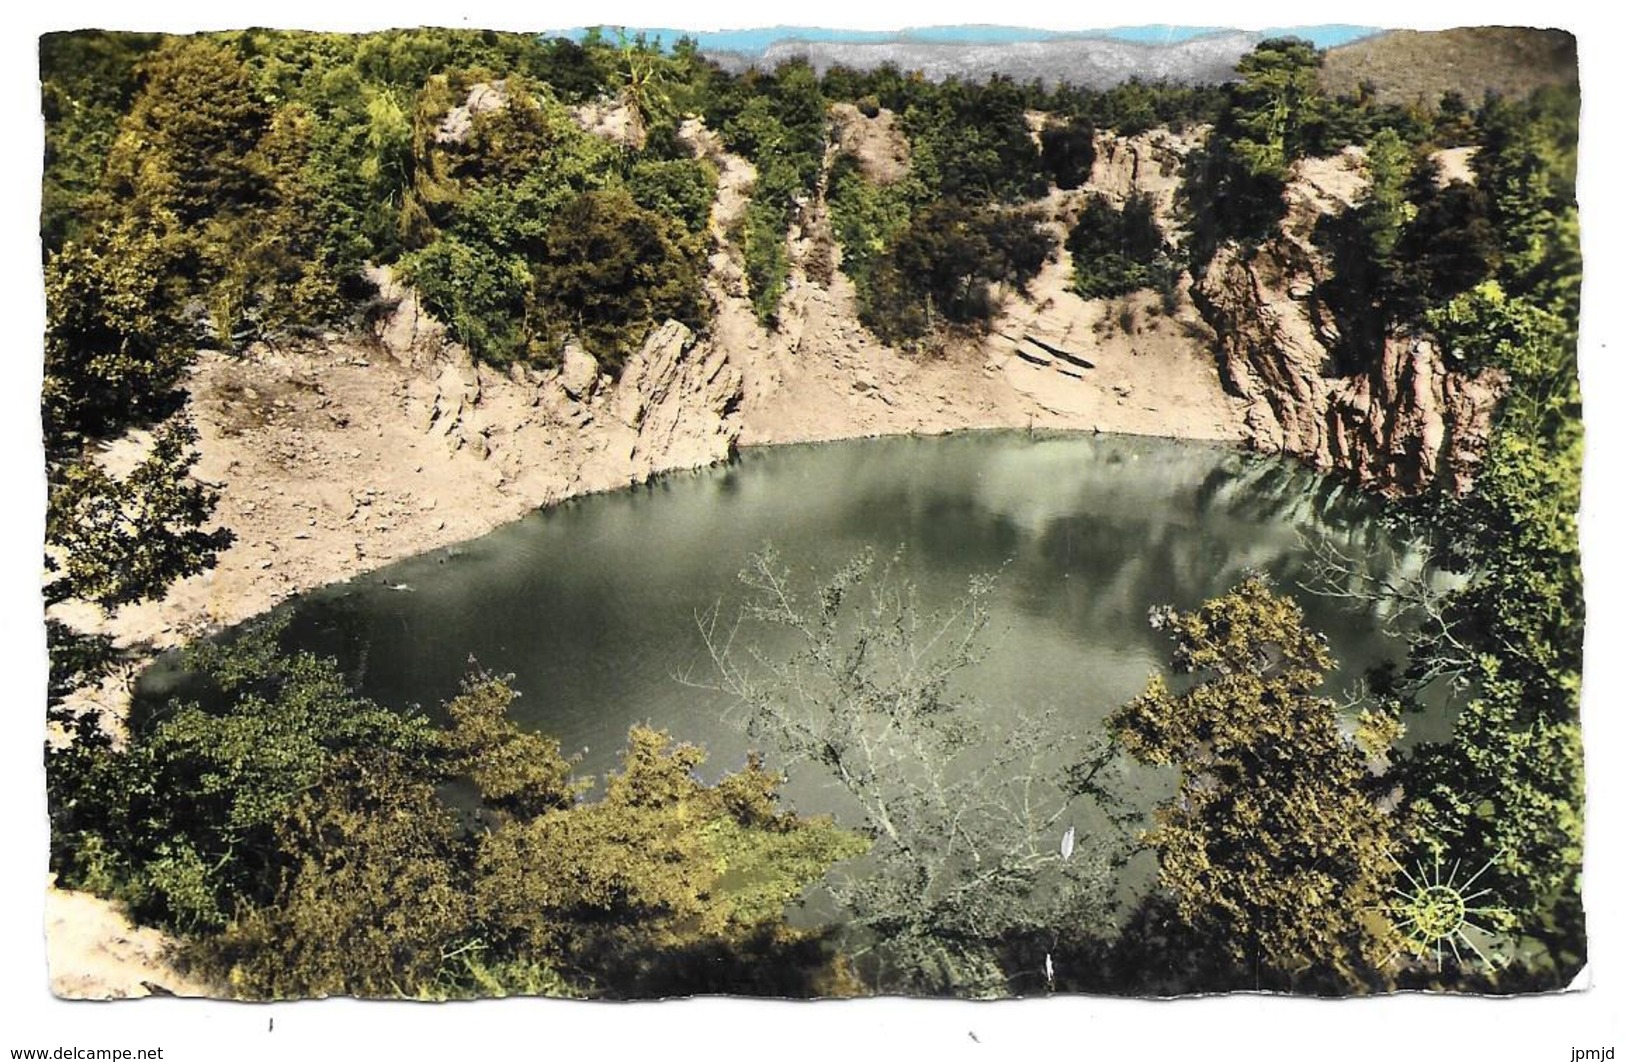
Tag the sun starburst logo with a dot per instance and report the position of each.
(1433, 912)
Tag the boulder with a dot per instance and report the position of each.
(578, 374)
(459, 121)
(405, 330)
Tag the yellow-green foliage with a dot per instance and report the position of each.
(661, 862)
(513, 770)
(307, 842)
(1275, 840)
(374, 900)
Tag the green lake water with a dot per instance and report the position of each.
(593, 605)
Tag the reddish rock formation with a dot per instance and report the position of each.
(1408, 420)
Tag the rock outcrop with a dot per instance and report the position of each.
(676, 405)
(459, 121)
(1405, 421)
(1150, 163)
(403, 328)
(878, 143)
(578, 374)
(613, 120)
(683, 399)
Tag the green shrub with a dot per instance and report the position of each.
(940, 270)
(1067, 152)
(610, 270)
(679, 188)
(1116, 251)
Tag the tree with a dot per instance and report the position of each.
(515, 773)
(645, 91)
(114, 343)
(971, 142)
(967, 818)
(184, 144)
(611, 270)
(942, 269)
(87, 80)
(1447, 246)
(1275, 106)
(620, 890)
(373, 900)
(1234, 182)
(1067, 152)
(1527, 169)
(1276, 841)
(114, 541)
(1362, 244)
(181, 821)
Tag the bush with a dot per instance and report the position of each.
(941, 270)
(679, 188)
(1116, 251)
(866, 216)
(478, 293)
(1067, 152)
(610, 270)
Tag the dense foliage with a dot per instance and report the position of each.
(1275, 843)
(1276, 113)
(307, 841)
(1116, 250)
(948, 267)
(1490, 270)
(1507, 791)
(265, 168)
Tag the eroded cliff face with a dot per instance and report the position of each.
(675, 405)
(1409, 420)
(1150, 163)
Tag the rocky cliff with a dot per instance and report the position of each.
(1406, 421)
(675, 405)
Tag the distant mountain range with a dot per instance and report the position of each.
(1089, 62)
(1401, 65)
(1093, 59)
(755, 42)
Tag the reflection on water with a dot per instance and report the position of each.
(592, 605)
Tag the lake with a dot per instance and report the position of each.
(594, 606)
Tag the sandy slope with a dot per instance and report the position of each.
(95, 952)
